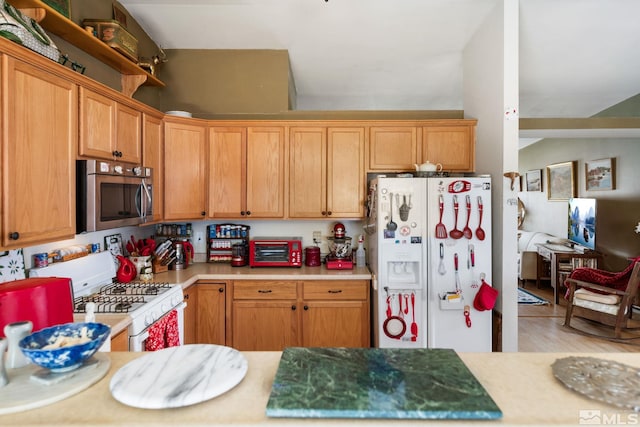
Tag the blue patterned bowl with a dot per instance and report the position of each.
(66, 357)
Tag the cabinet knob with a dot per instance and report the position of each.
(203, 213)
(221, 290)
(293, 308)
(306, 307)
(243, 213)
(329, 213)
(248, 213)
(14, 236)
(324, 213)
(185, 296)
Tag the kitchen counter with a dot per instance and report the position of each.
(521, 384)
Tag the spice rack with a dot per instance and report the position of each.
(222, 237)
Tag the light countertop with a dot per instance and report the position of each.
(521, 384)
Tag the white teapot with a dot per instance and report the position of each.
(429, 167)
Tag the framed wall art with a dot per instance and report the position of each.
(561, 181)
(534, 180)
(60, 6)
(600, 174)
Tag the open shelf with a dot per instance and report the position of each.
(68, 30)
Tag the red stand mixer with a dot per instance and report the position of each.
(340, 254)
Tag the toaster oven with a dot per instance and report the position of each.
(275, 252)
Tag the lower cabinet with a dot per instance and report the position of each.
(272, 315)
(204, 315)
(120, 341)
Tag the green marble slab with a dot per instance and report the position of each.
(377, 383)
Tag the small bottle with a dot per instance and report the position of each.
(360, 256)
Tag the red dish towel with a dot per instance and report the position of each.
(164, 333)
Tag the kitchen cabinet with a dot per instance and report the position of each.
(393, 148)
(120, 341)
(264, 315)
(185, 173)
(109, 129)
(39, 143)
(190, 313)
(335, 313)
(153, 157)
(399, 148)
(247, 172)
(272, 315)
(326, 172)
(452, 146)
(211, 312)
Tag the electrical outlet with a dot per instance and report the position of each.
(199, 245)
(317, 237)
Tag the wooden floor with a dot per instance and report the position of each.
(540, 329)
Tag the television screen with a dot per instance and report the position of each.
(582, 222)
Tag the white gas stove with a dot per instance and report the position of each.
(92, 279)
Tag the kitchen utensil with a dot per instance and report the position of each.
(472, 254)
(406, 303)
(389, 312)
(126, 271)
(441, 268)
(391, 226)
(455, 233)
(466, 231)
(441, 230)
(15, 332)
(467, 315)
(414, 325)
(404, 209)
(455, 264)
(479, 231)
(394, 326)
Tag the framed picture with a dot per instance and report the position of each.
(600, 174)
(534, 180)
(561, 181)
(120, 16)
(61, 6)
(113, 244)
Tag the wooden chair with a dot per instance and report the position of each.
(586, 305)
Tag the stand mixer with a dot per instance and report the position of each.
(340, 254)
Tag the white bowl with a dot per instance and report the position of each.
(179, 113)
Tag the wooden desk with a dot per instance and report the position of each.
(563, 261)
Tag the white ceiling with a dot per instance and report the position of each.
(577, 57)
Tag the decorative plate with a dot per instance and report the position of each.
(604, 380)
(178, 376)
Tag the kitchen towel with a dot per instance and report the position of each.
(164, 333)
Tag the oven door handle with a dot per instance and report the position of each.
(136, 342)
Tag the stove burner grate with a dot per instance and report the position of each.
(144, 288)
(108, 303)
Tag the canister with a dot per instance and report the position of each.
(312, 256)
(40, 260)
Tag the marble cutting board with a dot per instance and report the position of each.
(178, 376)
(377, 383)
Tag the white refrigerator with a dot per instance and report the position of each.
(430, 253)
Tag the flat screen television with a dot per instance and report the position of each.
(582, 222)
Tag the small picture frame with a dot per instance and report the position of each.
(120, 15)
(561, 181)
(113, 244)
(534, 180)
(600, 174)
(61, 6)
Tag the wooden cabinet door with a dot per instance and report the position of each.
(393, 148)
(120, 342)
(153, 157)
(227, 172)
(308, 172)
(452, 146)
(97, 125)
(335, 324)
(185, 182)
(211, 313)
(39, 143)
(346, 178)
(264, 325)
(190, 314)
(128, 134)
(265, 172)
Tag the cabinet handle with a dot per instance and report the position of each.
(14, 236)
(248, 213)
(306, 307)
(221, 290)
(324, 213)
(243, 213)
(293, 308)
(336, 291)
(186, 296)
(264, 291)
(329, 213)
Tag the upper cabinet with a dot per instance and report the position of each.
(399, 148)
(185, 172)
(40, 140)
(246, 172)
(109, 129)
(153, 157)
(326, 172)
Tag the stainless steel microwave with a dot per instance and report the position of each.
(112, 194)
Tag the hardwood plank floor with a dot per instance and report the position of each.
(540, 329)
